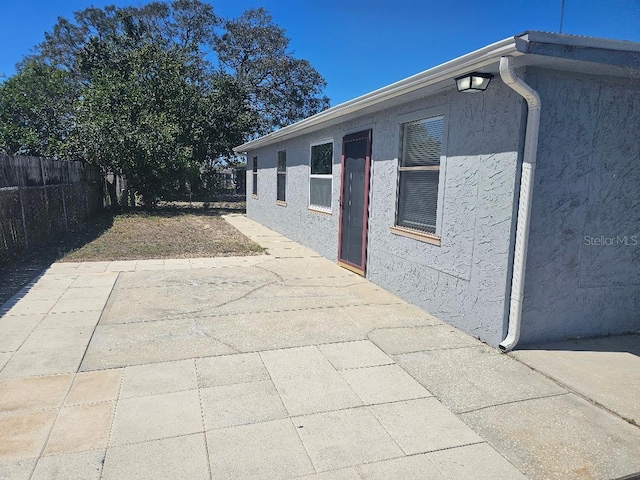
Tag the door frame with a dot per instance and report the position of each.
(368, 136)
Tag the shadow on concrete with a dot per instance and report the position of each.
(629, 343)
(20, 271)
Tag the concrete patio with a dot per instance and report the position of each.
(279, 366)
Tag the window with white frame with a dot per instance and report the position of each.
(281, 190)
(321, 177)
(419, 174)
(254, 176)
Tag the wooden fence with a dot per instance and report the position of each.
(42, 198)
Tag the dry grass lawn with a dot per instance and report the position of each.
(164, 233)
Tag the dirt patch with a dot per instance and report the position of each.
(166, 233)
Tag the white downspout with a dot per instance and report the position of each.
(524, 206)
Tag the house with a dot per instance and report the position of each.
(499, 191)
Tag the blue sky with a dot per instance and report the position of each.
(361, 45)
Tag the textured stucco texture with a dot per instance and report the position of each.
(585, 191)
(583, 265)
(465, 280)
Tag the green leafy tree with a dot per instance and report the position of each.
(156, 92)
(35, 111)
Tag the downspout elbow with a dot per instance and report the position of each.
(532, 98)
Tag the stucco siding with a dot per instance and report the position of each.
(586, 192)
(465, 280)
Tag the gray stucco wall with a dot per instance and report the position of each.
(586, 192)
(465, 281)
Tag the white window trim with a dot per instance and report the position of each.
(321, 208)
(441, 111)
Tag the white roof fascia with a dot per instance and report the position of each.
(446, 71)
(579, 41)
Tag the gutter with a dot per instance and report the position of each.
(442, 73)
(510, 78)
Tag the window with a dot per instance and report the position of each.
(255, 177)
(281, 194)
(419, 174)
(321, 178)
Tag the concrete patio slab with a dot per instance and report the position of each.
(70, 319)
(560, 437)
(384, 384)
(31, 307)
(345, 438)
(46, 361)
(94, 387)
(154, 417)
(205, 368)
(356, 354)
(423, 425)
(156, 378)
(415, 339)
(81, 427)
(72, 466)
(115, 346)
(415, 466)
(372, 317)
(292, 362)
(41, 339)
(4, 358)
(33, 392)
(166, 459)
(241, 404)
(12, 340)
(20, 470)
(479, 461)
(467, 379)
(316, 392)
(253, 332)
(263, 450)
(95, 280)
(605, 370)
(230, 369)
(24, 433)
(19, 323)
(342, 474)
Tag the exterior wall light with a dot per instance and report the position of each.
(473, 82)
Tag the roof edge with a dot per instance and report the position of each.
(447, 70)
(535, 43)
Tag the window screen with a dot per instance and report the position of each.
(419, 174)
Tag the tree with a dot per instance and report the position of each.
(36, 111)
(282, 88)
(158, 91)
(150, 122)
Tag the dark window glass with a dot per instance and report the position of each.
(255, 176)
(321, 159)
(281, 193)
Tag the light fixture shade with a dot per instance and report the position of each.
(473, 82)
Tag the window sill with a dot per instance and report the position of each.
(254, 196)
(324, 213)
(417, 235)
(281, 203)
